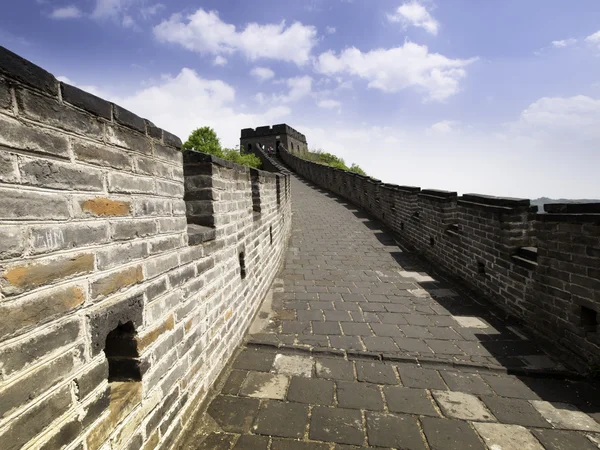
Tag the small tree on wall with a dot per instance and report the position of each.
(204, 140)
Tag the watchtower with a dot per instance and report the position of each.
(272, 136)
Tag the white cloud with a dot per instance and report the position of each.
(564, 43)
(220, 61)
(112, 9)
(415, 14)
(205, 32)
(262, 73)
(329, 104)
(66, 12)
(147, 12)
(394, 69)
(444, 126)
(330, 30)
(594, 39)
(299, 87)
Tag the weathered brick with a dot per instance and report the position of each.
(85, 100)
(116, 281)
(130, 229)
(152, 167)
(169, 225)
(152, 207)
(26, 426)
(49, 238)
(147, 339)
(102, 155)
(66, 434)
(164, 244)
(118, 182)
(38, 308)
(161, 265)
(8, 168)
(5, 96)
(51, 112)
(36, 382)
(11, 242)
(122, 137)
(92, 378)
(105, 207)
(97, 406)
(26, 72)
(121, 254)
(58, 175)
(129, 119)
(171, 140)
(22, 277)
(28, 350)
(23, 205)
(27, 137)
(169, 189)
(168, 153)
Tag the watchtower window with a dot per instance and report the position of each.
(122, 354)
(589, 319)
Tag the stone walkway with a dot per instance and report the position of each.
(363, 346)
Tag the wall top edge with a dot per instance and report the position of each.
(191, 157)
(27, 73)
(572, 208)
(508, 202)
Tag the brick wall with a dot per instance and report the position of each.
(128, 271)
(543, 269)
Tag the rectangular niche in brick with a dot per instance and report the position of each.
(589, 319)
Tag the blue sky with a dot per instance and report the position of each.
(494, 97)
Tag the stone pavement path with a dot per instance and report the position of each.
(363, 346)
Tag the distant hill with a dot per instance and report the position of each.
(544, 200)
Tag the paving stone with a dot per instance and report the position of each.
(234, 413)
(334, 369)
(339, 316)
(443, 347)
(281, 419)
(257, 360)
(564, 416)
(329, 297)
(359, 396)
(234, 382)
(445, 333)
(417, 377)
(357, 329)
(412, 345)
(339, 425)
(413, 331)
(293, 365)
(444, 434)
(346, 306)
(395, 318)
(379, 344)
(294, 327)
(473, 348)
(507, 437)
(417, 319)
(321, 305)
(373, 307)
(353, 297)
(408, 400)
(458, 405)
(514, 411)
(312, 340)
(265, 385)
(386, 329)
(217, 441)
(251, 442)
(563, 440)
(375, 372)
(507, 386)
(330, 328)
(286, 444)
(311, 391)
(470, 322)
(310, 315)
(471, 383)
(394, 430)
(346, 342)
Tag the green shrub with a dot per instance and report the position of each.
(329, 159)
(205, 140)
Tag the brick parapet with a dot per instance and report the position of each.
(490, 243)
(95, 234)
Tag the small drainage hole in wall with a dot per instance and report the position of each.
(122, 354)
(431, 241)
(271, 234)
(481, 268)
(589, 319)
(242, 265)
(402, 225)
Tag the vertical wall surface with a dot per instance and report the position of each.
(128, 271)
(543, 269)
